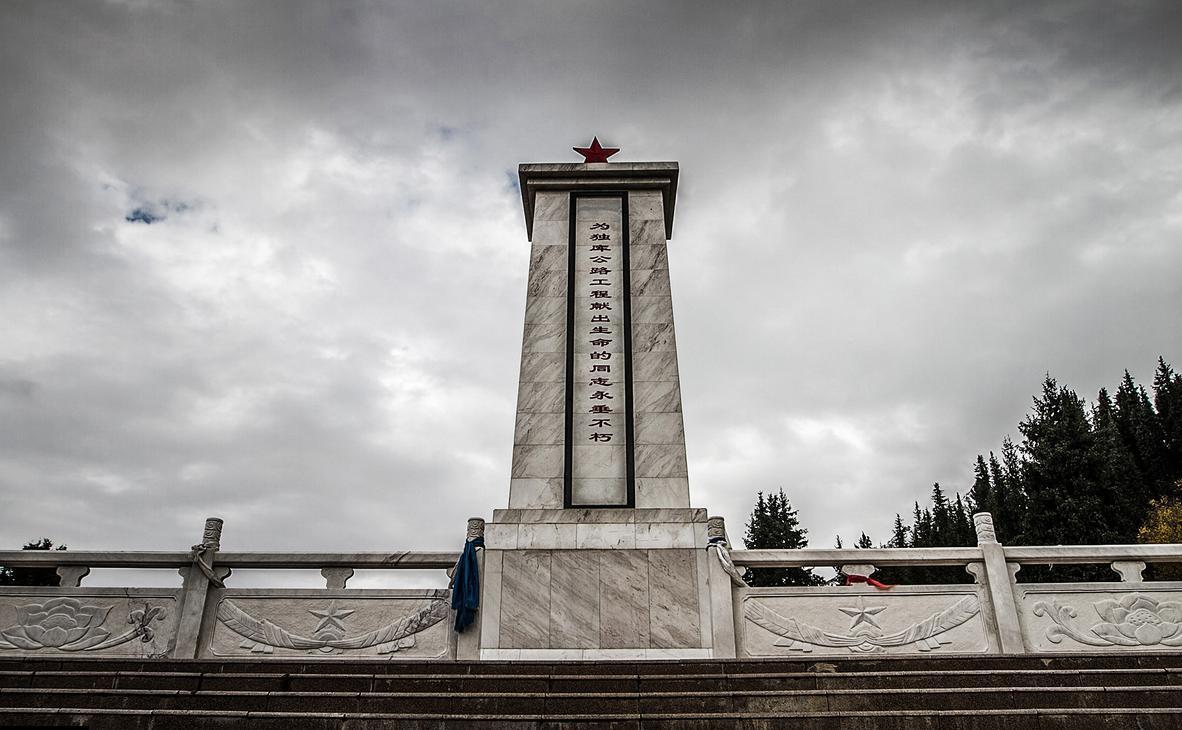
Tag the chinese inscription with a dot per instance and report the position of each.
(598, 432)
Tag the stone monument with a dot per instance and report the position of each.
(599, 554)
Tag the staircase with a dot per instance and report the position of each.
(1076, 692)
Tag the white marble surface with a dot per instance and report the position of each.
(546, 535)
(649, 366)
(664, 535)
(538, 461)
(545, 310)
(659, 428)
(652, 310)
(663, 460)
(550, 233)
(642, 256)
(525, 599)
(552, 338)
(543, 367)
(537, 397)
(589, 655)
(551, 206)
(646, 205)
(674, 619)
(663, 492)
(653, 337)
(657, 396)
(649, 282)
(610, 536)
(534, 494)
(540, 428)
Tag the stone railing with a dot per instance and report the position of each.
(993, 615)
(205, 618)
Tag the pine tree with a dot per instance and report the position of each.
(1120, 483)
(981, 496)
(864, 542)
(898, 533)
(775, 525)
(1142, 434)
(1167, 400)
(941, 518)
(962, 524)
(1011, 513)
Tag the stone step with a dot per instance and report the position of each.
(1064, 719)
(732, 666)
(606, 703)
(342, 682)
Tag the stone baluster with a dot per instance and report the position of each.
(71, 575)
(1129, 570)
(998, 583)
(198, 575)
(862, 570)
(336, 578)
(723, 579)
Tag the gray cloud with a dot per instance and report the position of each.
(894, 218)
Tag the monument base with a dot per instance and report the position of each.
(591, 584)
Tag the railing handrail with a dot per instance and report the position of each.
(814, 557)
(406, 560)
(1033, 555)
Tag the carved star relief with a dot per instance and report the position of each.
(596, 152)
(331, 617)
(862, 614)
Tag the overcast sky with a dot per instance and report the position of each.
(267, 260)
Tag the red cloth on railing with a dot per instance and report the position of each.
(851, 579)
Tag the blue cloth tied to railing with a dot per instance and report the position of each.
(465, 591)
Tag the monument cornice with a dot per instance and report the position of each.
(660, 176)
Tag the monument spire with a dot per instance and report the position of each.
(599, 550)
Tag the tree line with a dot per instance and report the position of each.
(1108, 472)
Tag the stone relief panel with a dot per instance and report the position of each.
(1057, 618)
(345, 625)
(849, 622)
(130, 623)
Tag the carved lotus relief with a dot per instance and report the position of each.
(1132, 620)
(70, 625)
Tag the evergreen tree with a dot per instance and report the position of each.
(981, 495)
(775, 525)
(32, 576)
(1014, 509)
(1142, 434)
(1120, 483)
(898, 533)
(1061, 472)
(1000, 507)
(1167, 400)
(941, 518)
(864, 542)
(962, 524)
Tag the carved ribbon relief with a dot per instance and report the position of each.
(330, 636)
(865, 634)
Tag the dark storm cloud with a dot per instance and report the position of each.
(893, 219)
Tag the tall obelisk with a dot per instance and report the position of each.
(599, 554)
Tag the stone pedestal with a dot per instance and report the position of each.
(599, 554)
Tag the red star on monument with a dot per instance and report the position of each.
(596, 152)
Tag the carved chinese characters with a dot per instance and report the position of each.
(598, 367)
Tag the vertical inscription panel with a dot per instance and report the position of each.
(598, 410)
